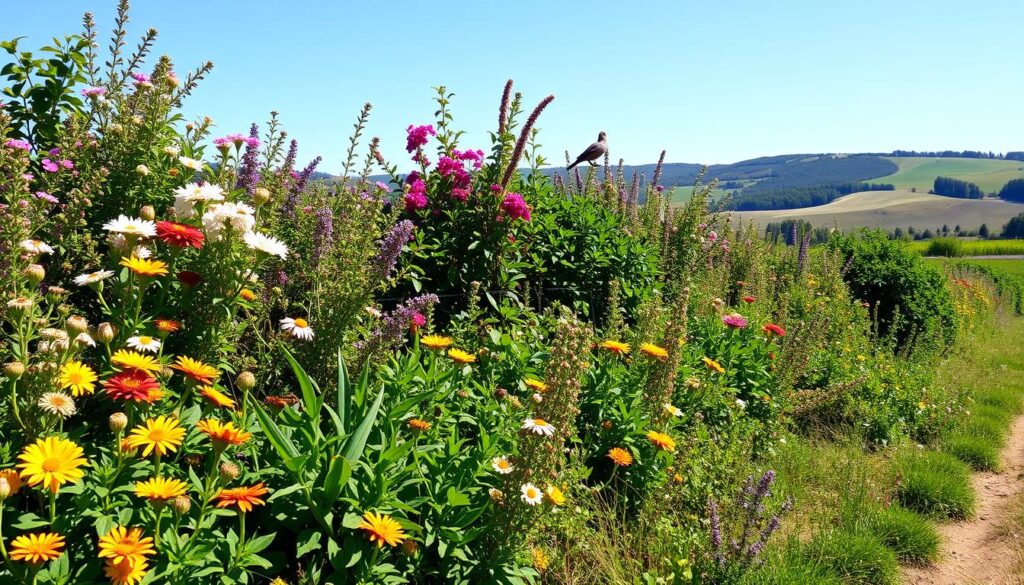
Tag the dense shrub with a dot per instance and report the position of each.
(908, 299)
(956, 188)
(1013, 190)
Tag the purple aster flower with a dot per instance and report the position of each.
(248, 172)
(46, 197)
(735, 321)
(49, 166)
(94, 91)
(18, 144)
(323, 235)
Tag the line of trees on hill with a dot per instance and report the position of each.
(951, 187)
(953, 154)
(792, 232)
(798, 197)
(1014, 228)
(1013, 191)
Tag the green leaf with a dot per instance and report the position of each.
(309, 392)
(307, 542)
(29, 521)
(282, 444)
(357, 442)
(338, 474)
(342, 405)
(457, 498)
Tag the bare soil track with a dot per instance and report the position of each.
(981, 551)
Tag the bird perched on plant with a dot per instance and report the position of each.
(593, 152)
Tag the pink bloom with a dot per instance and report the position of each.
(460, 194)
(67, 164)
(735, 321)
(140, 77)
(515, 207)
(45, 196)
(496, 189)
(49, 166)
(417, 136)
(712, 235)
(94, 91)
(28, 177)
(477, 156)
(417, 321)
(382, 186)
(18, 144)
(659, 188)
(416, 198)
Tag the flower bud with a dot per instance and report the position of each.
(182, 504)
(147, 213)
(142, 171)
(5, 489)
(246, 381)
(76, 324)
(14, 370)
(229, 471)
(261, 195)
(105, 332)
(35, 273)
(501, 393)
(118, 422)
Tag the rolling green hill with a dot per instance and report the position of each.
(919, 173)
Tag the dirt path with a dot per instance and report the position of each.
(979, 552)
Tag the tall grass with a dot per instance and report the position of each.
(935, 484)
(956, 247)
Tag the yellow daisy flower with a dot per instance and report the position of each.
(160, 488)
(435, 342)
(654, 351)
(216, 397)
(77, 377)
(133, 360)
(51, 462)
(144, 266)
(382, 529)
(461, 357)
(616, 347)
(122, 545)
(37, 548)
(162, 434)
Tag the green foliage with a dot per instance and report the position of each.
(855, 557)
(912, 537)
(948, 247)
(790, 564)
(909, 299)
(936, 484)
(980, 452)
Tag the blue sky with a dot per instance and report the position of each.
(716, 81)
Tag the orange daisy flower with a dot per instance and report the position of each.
(243, 497)
(196, 370)
(223, 434)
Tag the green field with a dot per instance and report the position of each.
(965, 247)
(1008, 266)
(919, 173)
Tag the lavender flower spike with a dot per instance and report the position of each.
(390, 248)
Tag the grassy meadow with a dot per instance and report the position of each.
(919, 172)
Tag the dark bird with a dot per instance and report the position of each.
(593, 152)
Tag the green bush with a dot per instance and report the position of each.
(948, 247)
(936, 484)
(856, 557)
(912, 537)
(981, 453)
(909, 300)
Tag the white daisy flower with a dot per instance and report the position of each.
(237, 216)
(144, 343)
(93, 277)
(674, 411)
(85, 339)
(171, 150)
(502, 465)
(190, 163)
(131, 226)
(57, 403)
(268, 245)
(539, 426)
(531, 494)
(496, 494)
(299, 328)
(20, 303)
(36, 247)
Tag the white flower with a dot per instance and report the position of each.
(190, 163)
(531, 494)
(237, 216)
(373, 312)
(741, 403)
(131, 226)
(268, 245)
(299, 328)
(57, 403)
(502, 465)
(183, 208)
(93, 277)
(195, 192)
(142, 252)
(85, 339)
(36, 247)
(496, 494)
(674, 411)
(537, 398)
(171, 150)
(539, 426)
(144, 343)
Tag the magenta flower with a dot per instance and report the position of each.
(140, 77)
(67, 164)
(94, 91)
(659, 188)
(382, 186)
(735, 321)
(18, 144)
(46, 196)
(460, 194)
(515, 207)
(418, 136)
(477, 156)
(416, 198)
(49, 166)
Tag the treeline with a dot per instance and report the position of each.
(1013, 191)
(793, 231)
(796, 198)
(951, 187)
(953, 154)
(1015, 155)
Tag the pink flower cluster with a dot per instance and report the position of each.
(515, 207)
(94, 91)
(416, 197)
(18, 144)
(141, 79)
(735, 321)
(54, 166)
(461, 179)
(417, 136)
(225, 142)
(477, 156)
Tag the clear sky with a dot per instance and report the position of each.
(712, 81)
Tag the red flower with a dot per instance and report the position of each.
(773, 329)
(179, 234)
(133, 385)
(749, 299)
(189, 278)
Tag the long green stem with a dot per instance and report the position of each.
(156, 529)
(53, 507)
(14, 403)
(3, 547)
